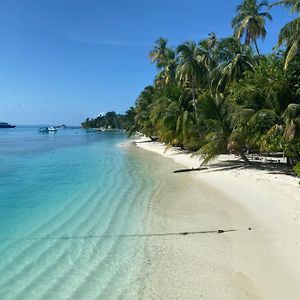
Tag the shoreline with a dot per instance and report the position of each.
(264, 261)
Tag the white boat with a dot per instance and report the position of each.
(47, 129)
(52, 129)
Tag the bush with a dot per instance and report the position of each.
(297, 169)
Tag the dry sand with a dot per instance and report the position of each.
(261, 263)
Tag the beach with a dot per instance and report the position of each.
(96, 216)
(258, 259)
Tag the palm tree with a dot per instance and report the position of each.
(290, 33)
(172, 116)
(142, 112)
(168, 73)
(291, 117)
(233, 60)
(290, 36)
(294, 5)
(160, 53)
(206, 51)
(165, 59)
(250, 21)
(224, 131)
(283, 132)
(190, 71)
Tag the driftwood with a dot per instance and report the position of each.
(189, 170)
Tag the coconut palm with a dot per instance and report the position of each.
(173, 117)
(206, 51)
(190, 71)
(290, 37)
(250, 21)
(168, 73)
(143, 109)
(291, 135)
(233, 60)
(294, 5)
(290, 34)
(225, 128)
(160, 53)
(165, 59)
(291, 117)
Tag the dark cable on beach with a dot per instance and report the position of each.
(119, 235)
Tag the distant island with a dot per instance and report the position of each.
(110, 120)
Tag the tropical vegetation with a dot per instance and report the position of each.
(110, 120)
(222, 95)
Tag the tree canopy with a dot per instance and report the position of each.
(217, 96)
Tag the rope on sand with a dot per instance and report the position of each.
(119, 235)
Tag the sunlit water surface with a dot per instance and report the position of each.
(66, 201)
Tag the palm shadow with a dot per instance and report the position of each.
(273, 167)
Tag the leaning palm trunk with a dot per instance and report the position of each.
(244, 157)
(237, 149)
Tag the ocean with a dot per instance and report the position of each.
(71, 204)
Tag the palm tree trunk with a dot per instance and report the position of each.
(244, 157)
(256, 47)
(194, 99)
(288, 162)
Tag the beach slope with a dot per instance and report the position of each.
(259, 259)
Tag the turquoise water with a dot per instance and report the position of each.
(66, 199)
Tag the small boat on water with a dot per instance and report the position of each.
(47, 129)
(6, 125)
(52, 129)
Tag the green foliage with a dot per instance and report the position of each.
(289, 35)
(224, 100)
(297, 169)
(250, 21)
(264, 87)
(110, 120)
(216, 96)
(293, 5)
(232, 60)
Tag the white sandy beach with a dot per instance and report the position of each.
(261, 263)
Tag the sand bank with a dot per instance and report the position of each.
(261, 263)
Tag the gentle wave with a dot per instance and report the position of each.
(102, 190)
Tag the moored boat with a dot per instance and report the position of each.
(52, 129)
(6, 125)
(47, 129)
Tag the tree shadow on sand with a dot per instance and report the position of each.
(270, 167)
(232, 164)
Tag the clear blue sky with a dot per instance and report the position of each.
(64, 60)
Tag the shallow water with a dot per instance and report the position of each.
(66, 199)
